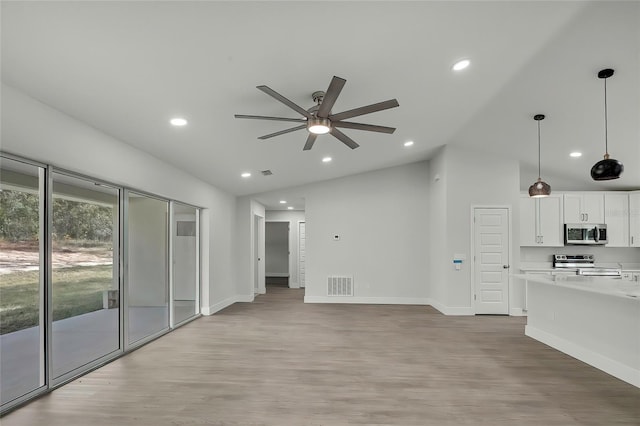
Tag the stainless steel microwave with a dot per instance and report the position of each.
(585, 233)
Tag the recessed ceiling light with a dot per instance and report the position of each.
(327, 159)
(178, 121)
(283, 202)
(576, 154)
(460, 65)
(408, 143)
(290, 208)
(246, 175)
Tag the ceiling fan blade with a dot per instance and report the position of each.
(282, 132)
(330, 96)
(262, 117)
(344, 138)
(285, 101)
(392, 103)
(360, 126)
(310, 140)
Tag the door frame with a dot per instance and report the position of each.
(300, 283)
(472, 250)
(257, 252)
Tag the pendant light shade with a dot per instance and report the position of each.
(539, 188)
(608, 168)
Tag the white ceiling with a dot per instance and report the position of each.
(126, 68)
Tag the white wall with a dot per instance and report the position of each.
(276, 255)
(39, 132)
(382, 218)
(468, 178)
(293, 218)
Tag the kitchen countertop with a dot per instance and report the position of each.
(607, 286)
(548, 267)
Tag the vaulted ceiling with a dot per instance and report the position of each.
(126, 68)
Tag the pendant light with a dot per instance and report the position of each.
(539, 188)
(608, 168)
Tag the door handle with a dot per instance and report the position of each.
(505, 266)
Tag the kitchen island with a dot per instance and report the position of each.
(593, 319)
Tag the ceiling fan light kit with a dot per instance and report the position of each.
(319, 126)
(539, 188)
(318, 120)
(608, 168)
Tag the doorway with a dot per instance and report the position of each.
(276, 255)
(491, 254)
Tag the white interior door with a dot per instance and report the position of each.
(491, 266)
(301, 253)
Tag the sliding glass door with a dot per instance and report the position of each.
(88, 271)
(186, 268)
(148, 284)
(85, 279)
(22, 253)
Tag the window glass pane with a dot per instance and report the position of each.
(21, 279)
(148, 258)
(85, 285)
(185, 263)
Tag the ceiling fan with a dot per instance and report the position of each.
(319, 120)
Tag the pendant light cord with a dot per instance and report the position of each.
(539, 174)
(606, 141)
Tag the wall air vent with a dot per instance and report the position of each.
(340, 286)
(266, 172)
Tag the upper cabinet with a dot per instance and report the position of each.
(541, 221)
(584, 207)
(634, 219)
(616, 216)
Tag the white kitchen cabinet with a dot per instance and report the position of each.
(616, 216)
(541, 221)
(584, 207)
(634, 219)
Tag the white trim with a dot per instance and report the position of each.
(608, 365)
(217, 307)
(517, 312)
(300, 283)
(369, 300)
(277, 274)
(448, 310)
(472, 300)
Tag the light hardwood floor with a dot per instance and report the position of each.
(278, 361)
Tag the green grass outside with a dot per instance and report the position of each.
(76, 291)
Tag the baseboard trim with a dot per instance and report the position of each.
(217, 307)
(608, 365)
(517, 312)
(277, 275)
(449, 310)
(368, 300)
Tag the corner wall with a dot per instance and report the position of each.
(468, 178)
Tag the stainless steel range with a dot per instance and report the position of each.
(583, 264)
